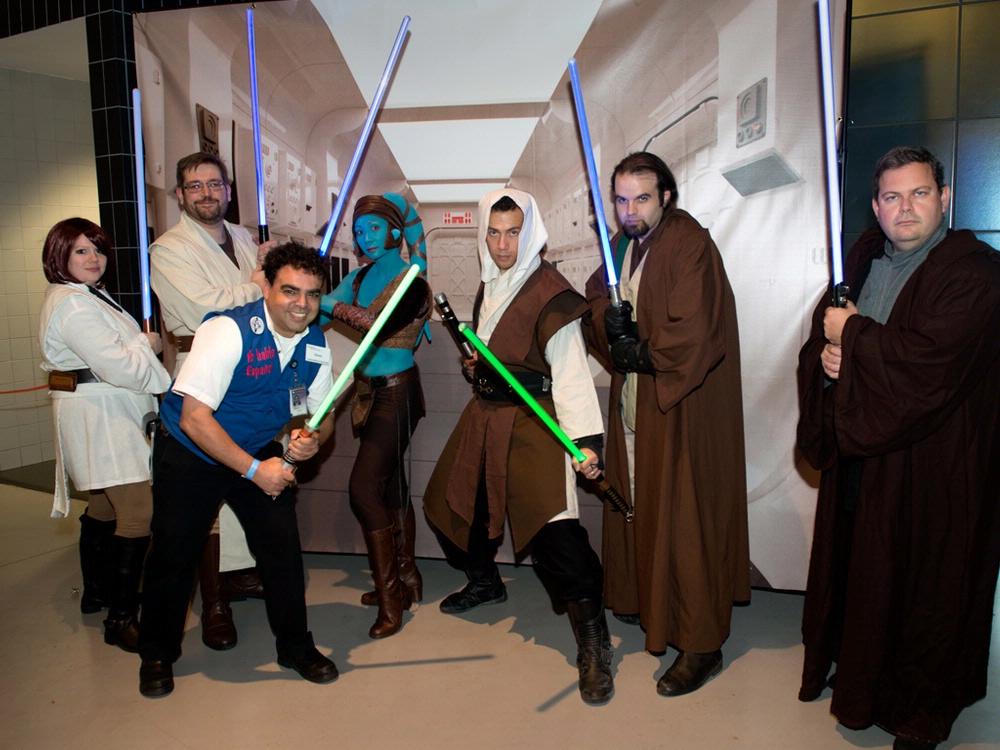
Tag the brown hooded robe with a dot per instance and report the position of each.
(906, 544)
(685, 560)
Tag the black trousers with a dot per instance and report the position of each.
(560, 552)
(187, 493)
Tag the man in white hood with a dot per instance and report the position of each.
(501, 462)
(204, 265)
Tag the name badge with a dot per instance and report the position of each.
(318, 354)
(297, 400)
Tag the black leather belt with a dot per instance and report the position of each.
(384, 381)
(488, 386)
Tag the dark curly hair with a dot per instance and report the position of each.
(296, 255)
(59, 244)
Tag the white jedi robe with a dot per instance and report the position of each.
(98, 429)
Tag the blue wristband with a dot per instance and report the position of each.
(252, 470)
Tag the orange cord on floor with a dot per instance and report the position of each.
(25, 390)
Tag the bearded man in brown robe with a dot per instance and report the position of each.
(675, 432)
(900, 410)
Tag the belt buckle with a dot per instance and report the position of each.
(546, 384)
(484, 387)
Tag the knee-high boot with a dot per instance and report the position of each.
(404, 536)
(95, 563)
(121, 628)
(218, 631)
(406, 533)
(593, 643)
(393, 597)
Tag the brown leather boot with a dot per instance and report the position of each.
(238, 585)
(404, 536)
(393, 597)
(218, 631)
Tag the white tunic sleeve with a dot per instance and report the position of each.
(120, 358)
(577, 406)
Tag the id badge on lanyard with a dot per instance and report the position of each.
(298, 395)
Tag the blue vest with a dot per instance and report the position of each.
(256, 406)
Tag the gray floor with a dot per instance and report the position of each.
(501, 677)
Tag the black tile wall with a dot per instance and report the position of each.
(926, 76)
(111, 52)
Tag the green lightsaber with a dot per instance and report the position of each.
(366, 343)
(609, 492)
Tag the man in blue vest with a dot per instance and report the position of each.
(250, 370)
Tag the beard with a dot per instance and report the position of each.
(639, 229)
(209, 211)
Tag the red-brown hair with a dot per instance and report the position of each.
(59, 244)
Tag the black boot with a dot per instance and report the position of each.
(689, 672)
(593, 656)
(484, 587)
(122, 626)
(217, 629)
(95, 563)
(905, 743)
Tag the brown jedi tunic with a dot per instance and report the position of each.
(524, 464)
(900, 592)
(686, 557)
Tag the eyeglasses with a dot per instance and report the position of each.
(196, 187)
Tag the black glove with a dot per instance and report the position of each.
(630, 355)
(618, 322)
(594, 443)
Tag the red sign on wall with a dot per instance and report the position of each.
(458, 218)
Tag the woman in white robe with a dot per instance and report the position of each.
(103, 377)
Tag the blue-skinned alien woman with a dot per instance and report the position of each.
(388, 399)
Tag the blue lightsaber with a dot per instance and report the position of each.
(140, 201)
(262, 232)
(840, 289)
(366, 134)
(595, 185)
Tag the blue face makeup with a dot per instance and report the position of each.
(371, 232)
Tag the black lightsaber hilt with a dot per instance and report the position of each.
(451, 323)
(263, 234)
(614, 498)
(840, 295)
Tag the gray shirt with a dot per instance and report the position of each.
(890, 273)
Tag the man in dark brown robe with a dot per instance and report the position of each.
(501, 462)
(900, 410)
(675, 434)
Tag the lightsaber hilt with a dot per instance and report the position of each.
(140, 207)
(286, 459)
(313, 423)
(834, 214)
(615, 295)
(451, 324)
(615, 499)
(539, 412)
(595, 185)
(364, 138)
(258, 159)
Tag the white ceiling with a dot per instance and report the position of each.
(460, 53)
